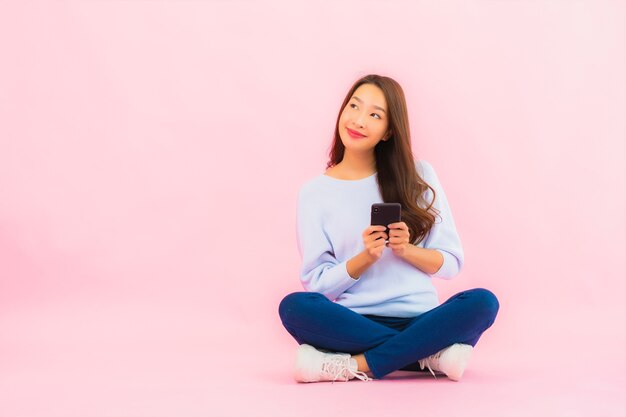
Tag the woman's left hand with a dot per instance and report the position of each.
(398, 238)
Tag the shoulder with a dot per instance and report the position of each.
(424, 169)
(310, 188)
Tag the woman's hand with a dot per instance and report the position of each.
(398, 238)
(374, 240)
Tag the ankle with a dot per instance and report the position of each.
(361, 362)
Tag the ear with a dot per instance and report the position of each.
(387, 136)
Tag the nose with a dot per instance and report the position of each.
(359, 120)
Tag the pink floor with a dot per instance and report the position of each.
(156, 357)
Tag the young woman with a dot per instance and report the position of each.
(370, 306)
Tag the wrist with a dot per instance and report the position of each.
(408, 251)
(359, 264)
(368, 258)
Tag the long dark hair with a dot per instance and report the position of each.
(398, 180)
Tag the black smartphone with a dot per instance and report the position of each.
(385, 213)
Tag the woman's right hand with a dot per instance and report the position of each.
(374, 238)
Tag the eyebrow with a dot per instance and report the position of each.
(361, 101)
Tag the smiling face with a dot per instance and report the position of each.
(364, 120)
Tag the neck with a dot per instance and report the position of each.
(364, 164)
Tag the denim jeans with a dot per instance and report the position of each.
(388, 343)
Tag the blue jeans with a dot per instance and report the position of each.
(388, 343)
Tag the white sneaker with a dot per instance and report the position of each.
(315, 366)
(451, 361)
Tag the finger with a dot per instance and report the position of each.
(398, 225)
(378, 228)
(375, 236)
(399, 234)
(398, 240)
(394, 246)
(377, 246)
(380, 244)
(373, 229)
(378, 234)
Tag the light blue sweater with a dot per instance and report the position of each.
(331, 217)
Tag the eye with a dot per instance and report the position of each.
(375, 114)
(352, 105)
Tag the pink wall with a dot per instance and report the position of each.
(150, 153)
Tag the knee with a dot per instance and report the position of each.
(295, 302)
(487, 302)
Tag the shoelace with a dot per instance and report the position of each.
(339, 366)
(426, 362)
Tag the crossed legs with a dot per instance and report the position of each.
(313, 319)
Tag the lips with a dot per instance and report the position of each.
(354, 134)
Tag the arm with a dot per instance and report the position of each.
(321, 271)
(442, 255)
(442, 237)
(359, 264)
(428, 260)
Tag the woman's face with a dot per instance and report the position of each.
(363, 122)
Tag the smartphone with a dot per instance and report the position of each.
(386, 213)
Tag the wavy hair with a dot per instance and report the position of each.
(398, 180)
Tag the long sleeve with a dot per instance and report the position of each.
(321, 271)
(443, 235)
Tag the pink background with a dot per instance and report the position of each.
(150, 156)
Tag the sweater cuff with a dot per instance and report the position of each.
(338, 281)
(450, 266)
(344, 280)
